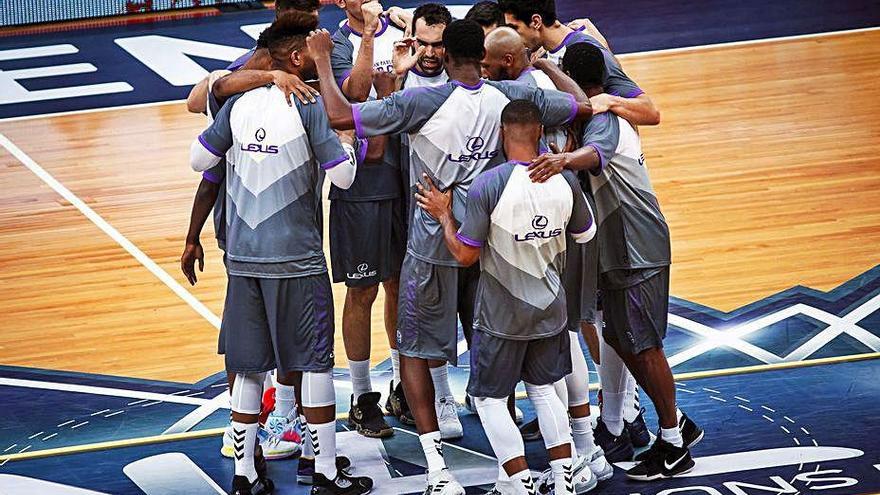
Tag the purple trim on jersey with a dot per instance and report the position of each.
(542, 148)
(576, 232)
(517, 162)
(471, 88)
(422, 74)
(341, 79)
(210, 148)
(358, 127)
(582, 28)
(362, 150)
(564, 42)
(597, 171)
(634, 93)
(382, 22)
(240, 61)
(574, 110)
(467, 240)
(208, 176)
(333, 163)
(524, 72)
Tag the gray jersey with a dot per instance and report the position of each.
(520, 227)
(448, 148)
(616, 82)
(274, 154)
(538, 79)
(381, 181)
(415, 79)
(632, 230)
(217, 175)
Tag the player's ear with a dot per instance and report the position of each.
(340, 4)
(296, 58)
(537, 21)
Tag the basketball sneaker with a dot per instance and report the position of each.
(583, 479)
(691, 434)
(447, 418)
(397, 406)
(260, 486)
(274, 447)
(600, 466)
(287, 428)
(639, 435)
(443, 483)
(305, 469)
(616, 448)
(343, 484)
(509, 488)
(662, 460)
(366, 417)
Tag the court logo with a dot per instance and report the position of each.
(363, 271)
(539, 224)
(259, 147)
(473, 151)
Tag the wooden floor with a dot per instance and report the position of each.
(766, 164)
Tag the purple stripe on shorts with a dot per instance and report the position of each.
(467, 240)
(208, 147)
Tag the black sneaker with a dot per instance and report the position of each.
(397, 406)
(617, 449)
(530, 431)
(343, 484)
(367, 418)
(662, 460)
(690, 432)
(638, 430)
(260, 486)
(305, 470)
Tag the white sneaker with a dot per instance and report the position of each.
(600, 466)
(283, 426)
(272, 445)
(512, 488)
(443, 483)
(582, 477)
(447, 418)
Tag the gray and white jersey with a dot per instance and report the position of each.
(448, 148)
(274, 154)
(538, 79)
(633, 233)
(416, 79)
(520, 227)
(616, 81)
(380, 181)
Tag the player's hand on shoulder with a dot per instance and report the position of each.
(547, 165)
(191, 253)
(320, 44)
(290, 84)
(600, 103)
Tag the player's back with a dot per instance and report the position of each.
(539, 79)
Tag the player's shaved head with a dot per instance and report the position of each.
(505, 55)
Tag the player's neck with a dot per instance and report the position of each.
(355, 25)
(553, 36)
(517, 152)
(466, 73)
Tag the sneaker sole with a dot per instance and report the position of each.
(604, 475)
(697, 440)
(660, 476)
(372, 434)
(305, 480)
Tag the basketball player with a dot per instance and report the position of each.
(419, 60)
(487, 14)
(515, 227)
(453, 151)
(278, 312)
(634, 259)
(506, 59)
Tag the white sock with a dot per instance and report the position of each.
(561, 469)
(582, 434)
(672, 435)
(433, 448)
(440, 377)
(523, 483)
(631, 400)
(502, 474)
(285, 399)
(395, 367)
(308, 448)
(614, 377)
(244, 438)
(360, 377)
(324, 442)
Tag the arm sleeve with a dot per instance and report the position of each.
(403, 111)
(326, 147)
(474, 228)
(581, 224)
(341, 58)
(211, 145)
(602, 133)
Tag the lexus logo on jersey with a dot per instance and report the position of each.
(260, 135)
(475, 144)
(539, 222)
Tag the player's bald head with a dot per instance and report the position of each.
(504, 40)
(505, 55)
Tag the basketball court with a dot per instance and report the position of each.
(765, 162)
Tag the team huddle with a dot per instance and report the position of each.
(487, 173)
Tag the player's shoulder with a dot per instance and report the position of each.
(342, 35)
(602, 122)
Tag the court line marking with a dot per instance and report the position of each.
(112, 392)
(111, 231)
(663, 51)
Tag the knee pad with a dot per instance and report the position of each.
(247, 393)
(552, 415)
(317, 389)
(578, 381)
(500, 429)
